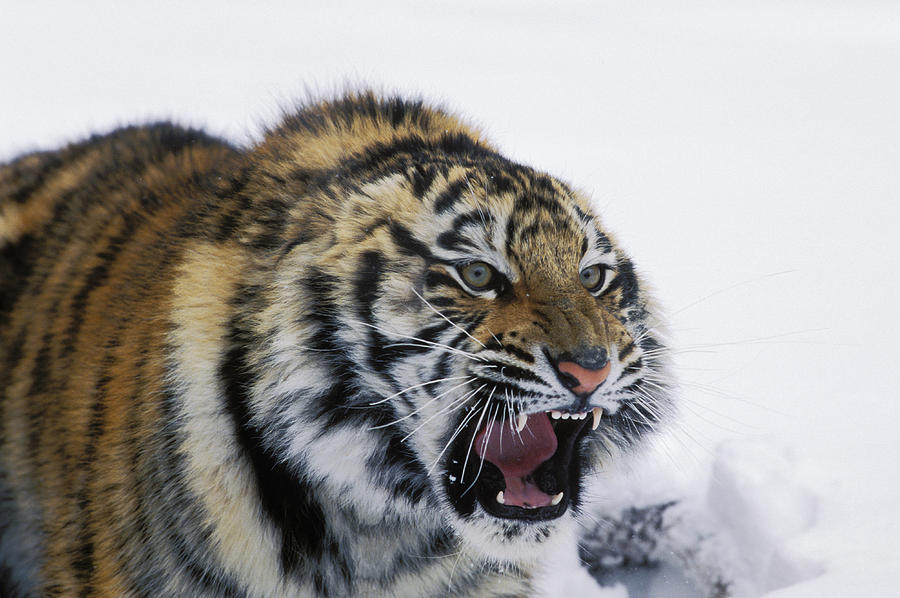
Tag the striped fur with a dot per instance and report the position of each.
(230, 372)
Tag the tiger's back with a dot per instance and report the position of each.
(233, 372)
(89, 237)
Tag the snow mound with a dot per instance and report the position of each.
(733, 536)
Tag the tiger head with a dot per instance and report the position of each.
(470, 342)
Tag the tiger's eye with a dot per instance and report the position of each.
(592, 277)
(477, 275)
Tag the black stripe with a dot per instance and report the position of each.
(467, 326)
(83, 558)
(41, 382)
(453, 240)
(286, 498)
(442, 301)
(449, 196)
(398, 460)
(480, 218)
(634, 367)
(602, 243)
(628, 281)
(11, 359)
(501, 183)
(32, 179)
(421, 150)
(422, 177)
(581, 214)
(534, 202)
(173, 520)
(407, 242)
(517, 373)
(522, 354)
(431, 333)
(366, 283)
(444, 366)
(17, 261)
(94, 279)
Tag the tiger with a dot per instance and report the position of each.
(367, 355)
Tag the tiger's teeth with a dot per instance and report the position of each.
(521, 421)
(598, 412)
(556, 414)
(556, 499)
(500, 498)
(565, 416)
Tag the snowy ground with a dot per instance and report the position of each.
(747, 152)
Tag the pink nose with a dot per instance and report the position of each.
(588, 380)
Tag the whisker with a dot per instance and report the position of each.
(477, 427)
(484, 442)
(451, 322)
(433, 345)
(397, 394)
(455, 404)
(456, 433)
(420, 340)
(426, 404)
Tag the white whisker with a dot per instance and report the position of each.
(477, 427)
(427, 403)
(455, 404)
(451, 322)
(456, 433)
(409, 388)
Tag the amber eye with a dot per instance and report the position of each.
(593, 277)
(477, 275)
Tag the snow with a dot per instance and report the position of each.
(745, 152)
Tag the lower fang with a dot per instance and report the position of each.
(598, 412)
(555, 500)
(500, 498)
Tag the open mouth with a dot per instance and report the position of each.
(525, 469)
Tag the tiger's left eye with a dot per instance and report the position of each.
(478, 275)
(593, 277)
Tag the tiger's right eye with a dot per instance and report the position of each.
(477, 275)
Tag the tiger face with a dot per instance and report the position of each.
(498, 335)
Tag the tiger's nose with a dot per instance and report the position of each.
(584, 370)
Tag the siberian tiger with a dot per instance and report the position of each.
(369, 356)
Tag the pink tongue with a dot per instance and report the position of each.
(517, 455)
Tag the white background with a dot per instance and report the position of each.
(746, 153)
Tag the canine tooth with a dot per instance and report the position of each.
(500, 498)
(556, 499)
(598, 412)
(521, 421)
(555, 414)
